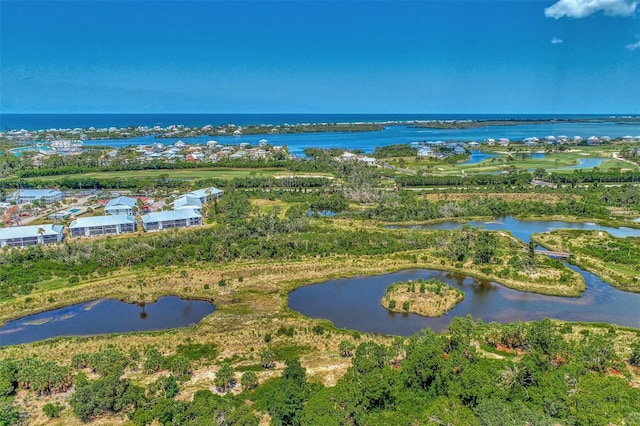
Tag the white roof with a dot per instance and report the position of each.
(201, 193)
(170, 215)
(37, 193)
(87, 222)
(121, 201)
(187, 202)
(29, 231)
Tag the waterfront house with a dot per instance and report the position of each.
(23, 236)
(171, 219)
(459, 150)
(120, 205)
(346, 156)
(47, 196)
(594, 140)
(102, 225)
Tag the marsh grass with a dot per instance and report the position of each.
(429, 298)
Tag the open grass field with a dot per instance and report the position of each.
(557, 162)
(187, 174)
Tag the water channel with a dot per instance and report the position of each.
(354, 303)
(105, 316)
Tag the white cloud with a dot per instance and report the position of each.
(556, 40)
(583, 8)
(633, 46)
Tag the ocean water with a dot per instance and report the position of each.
(390, 135)
(297, 142)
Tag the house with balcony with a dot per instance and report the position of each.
(171, 219)
(121, 206)
(24, 236)
(102, 225)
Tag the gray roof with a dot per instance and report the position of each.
(29, 231)
(87, 222)
(121, 201)
(169, 215)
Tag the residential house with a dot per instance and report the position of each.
(369, 161)
(102, 225)
(171, 219)
(188, 202)
(207, 194)
(121, 205)
(346, 156)
(459, 150)
(47, 196)
(425, 152)
(594, 140)
(23, 236)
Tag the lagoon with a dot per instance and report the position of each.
(522, 229)
(354, 303)
(392, 134)
(476, 157)
(586, 163)
(105, 316)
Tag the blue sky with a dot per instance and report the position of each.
(566, 56)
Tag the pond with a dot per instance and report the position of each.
(321, 213)
(522, 229)
(586, 163)
(105, 316)
(354, 303)
(477, 156)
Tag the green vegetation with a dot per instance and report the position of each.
(613, 259)
(254, 360)
(400, 150)
(429, 298)
(547, 374)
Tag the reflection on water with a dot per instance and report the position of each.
(586, 163)
(355, 303)
(476, 157)
(105, 316)
(522, 229)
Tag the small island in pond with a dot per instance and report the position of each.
(429, 298)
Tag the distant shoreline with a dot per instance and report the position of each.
(35, 122)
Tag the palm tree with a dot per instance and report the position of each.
(267, 358)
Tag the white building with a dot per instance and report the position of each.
(23, 236)
(188, 202)
(120, 205)
(206, 194)
(171, 219)
(102, 225)
(30, 195)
